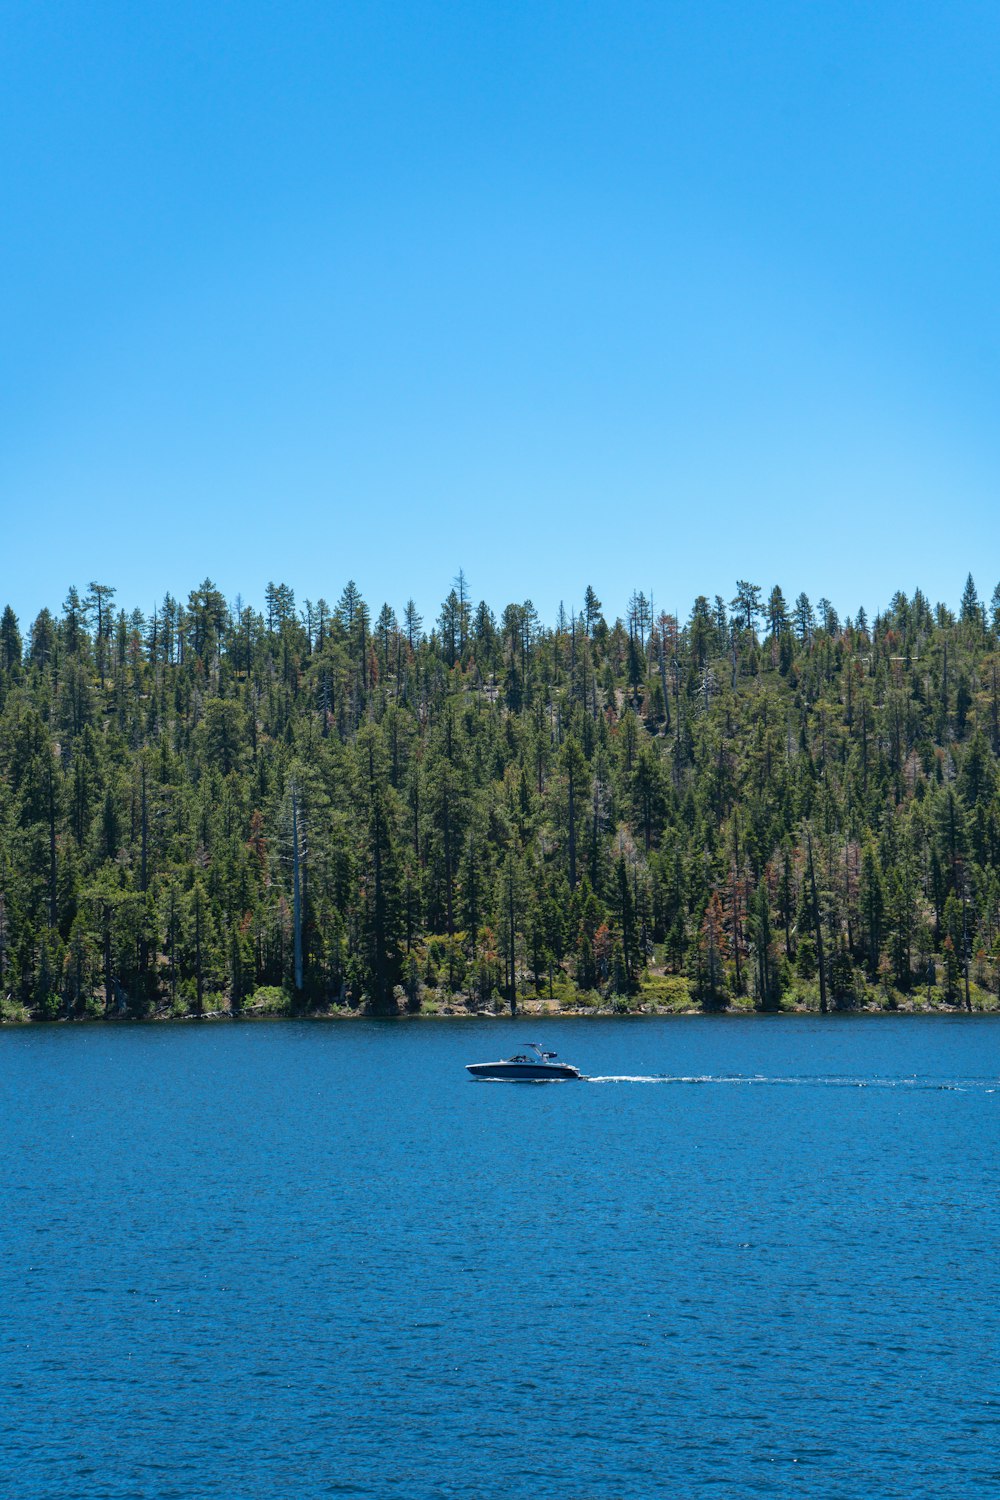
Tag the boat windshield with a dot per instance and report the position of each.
(540, 1054)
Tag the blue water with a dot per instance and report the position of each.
(298, 1260)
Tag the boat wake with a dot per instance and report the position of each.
(832, 1081)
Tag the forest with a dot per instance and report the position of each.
(211, 810)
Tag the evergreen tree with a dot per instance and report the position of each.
(655, 795)
(10, 643)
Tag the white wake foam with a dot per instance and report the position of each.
(833, 1081)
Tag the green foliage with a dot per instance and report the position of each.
(324, 807)
(270, 1000)
(666, 992)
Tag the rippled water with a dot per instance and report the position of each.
(298, 1260)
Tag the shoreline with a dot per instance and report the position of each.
(604, 1013)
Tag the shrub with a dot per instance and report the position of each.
(270, 1000)
(49, 1007)
(668, 991)
(12, 1011)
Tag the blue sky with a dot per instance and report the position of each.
(641, 295)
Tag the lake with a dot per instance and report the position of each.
(754, 1256)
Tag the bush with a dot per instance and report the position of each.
(12, 1011)
(270, 1000)
(586, 999)
(49, 1007)
(667, 991)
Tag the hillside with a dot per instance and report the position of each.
(761, 805)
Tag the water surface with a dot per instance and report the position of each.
(751, 1257)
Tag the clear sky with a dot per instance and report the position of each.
(645, 295)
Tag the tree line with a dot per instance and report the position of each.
(212, 807)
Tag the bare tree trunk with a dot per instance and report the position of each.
(199, 977)
(663, 684)
(173, 945)
(53, 904)
(144, 874)
(296, 891)
(572, 832)
(819, 928)
(510, 919)
(965, 944)
(108, 983)
(143, 866)
(737, 933)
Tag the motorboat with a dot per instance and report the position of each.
(523, 1067)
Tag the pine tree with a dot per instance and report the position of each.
(10, 643)
(747, 604)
